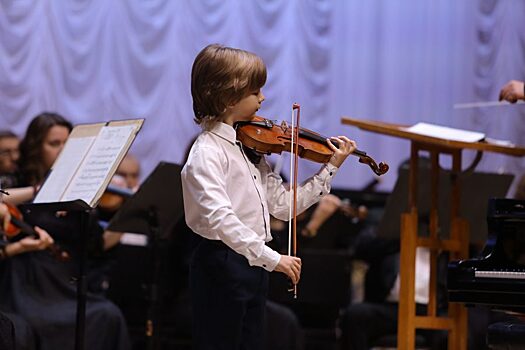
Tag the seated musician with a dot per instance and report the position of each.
(365, 323)
(11, 325)
(36, 285)
(126, 177)
(9, 154)
(129, 171)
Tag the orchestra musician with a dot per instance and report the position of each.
(35, 285)
(9, 154)
(129, 171)
(13, 326)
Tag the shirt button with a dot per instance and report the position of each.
(330, 173)
(264, 265)
(255, 177)
(321, 193)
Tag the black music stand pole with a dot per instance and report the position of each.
(152, 322)
(81, 281)
(82, 209)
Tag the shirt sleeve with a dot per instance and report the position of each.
(308, 193)
(209, 211)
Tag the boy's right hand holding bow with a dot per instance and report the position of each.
(290, 266)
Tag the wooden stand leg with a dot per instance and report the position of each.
(406, 331)
(457, 338)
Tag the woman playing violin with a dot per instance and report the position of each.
(24, 245)
(228, 201)
(35, 285)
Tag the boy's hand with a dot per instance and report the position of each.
(346, 147)
(290, 266)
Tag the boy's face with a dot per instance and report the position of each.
(245, 109)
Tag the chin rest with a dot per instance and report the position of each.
(506, 336)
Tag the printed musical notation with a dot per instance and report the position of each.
(88, 161)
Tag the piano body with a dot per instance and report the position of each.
(497, 277)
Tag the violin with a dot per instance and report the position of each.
(266, 136)
(113, 198)
(17, 226)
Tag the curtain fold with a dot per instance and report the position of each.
(401, 62)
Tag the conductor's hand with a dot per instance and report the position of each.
(346, 147)
(512, 91)
(290, 266)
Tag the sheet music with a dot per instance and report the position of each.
(64, 169)
(98, 163)
(447, 133)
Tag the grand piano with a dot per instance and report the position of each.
(497, 277)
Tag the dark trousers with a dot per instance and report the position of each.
(228, 299)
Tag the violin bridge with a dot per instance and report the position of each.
(284, 126)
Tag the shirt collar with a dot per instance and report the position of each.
(225, 131)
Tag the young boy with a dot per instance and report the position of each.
(228, 200)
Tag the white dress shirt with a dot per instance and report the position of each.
(228, 198)
(422, 278)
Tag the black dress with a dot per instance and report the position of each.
(39, 288)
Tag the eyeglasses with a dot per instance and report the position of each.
(9, 152)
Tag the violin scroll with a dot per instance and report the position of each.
(379, 170)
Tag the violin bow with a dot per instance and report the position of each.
(292, 223)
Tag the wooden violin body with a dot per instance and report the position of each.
(17, 226)
(113, 198)
(266, 136)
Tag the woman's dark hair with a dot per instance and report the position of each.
(30, 164)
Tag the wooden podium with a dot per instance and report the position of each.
(457, 242)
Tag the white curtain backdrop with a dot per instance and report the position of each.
(395, 61)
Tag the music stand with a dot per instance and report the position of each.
(478, 187)
(82, 209)
(77, 180)
(154, 209)
(455, 322)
